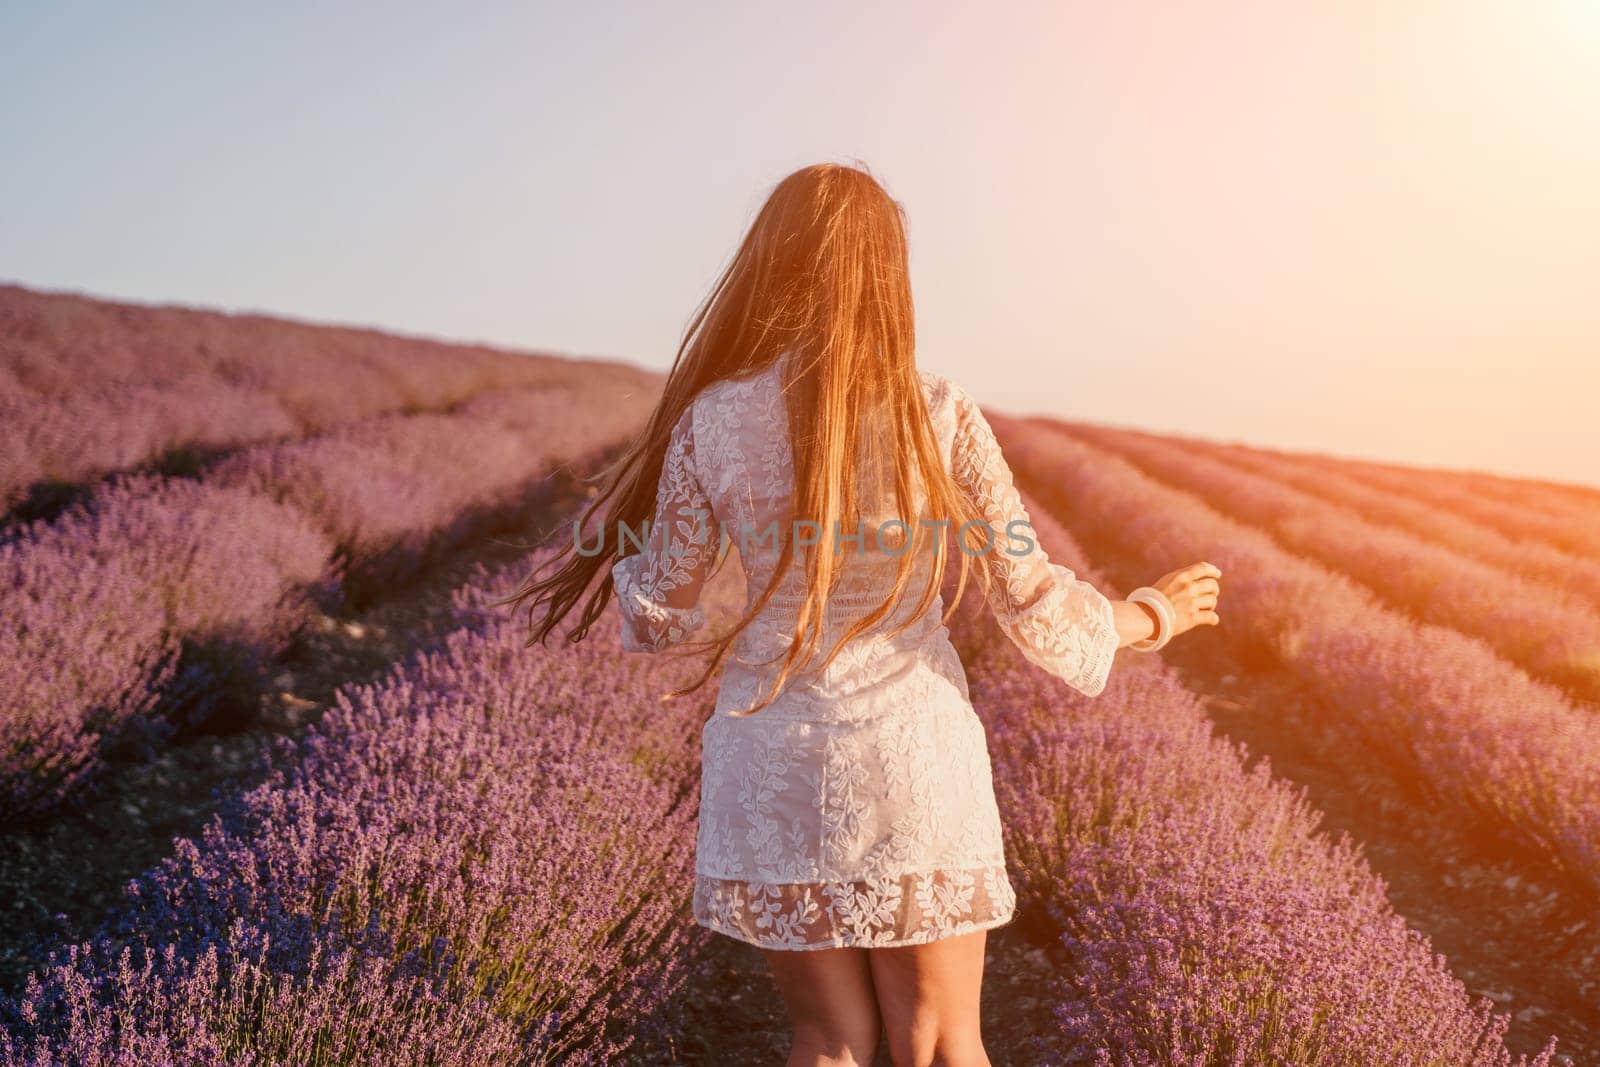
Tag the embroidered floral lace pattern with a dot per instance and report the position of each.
(858, 808)
(660, 605)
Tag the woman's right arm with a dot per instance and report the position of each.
(1135, 622)
(1059, 621)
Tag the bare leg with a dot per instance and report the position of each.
(928, 998)
(829, 995)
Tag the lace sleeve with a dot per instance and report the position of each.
(658, 589)
(1059, 621)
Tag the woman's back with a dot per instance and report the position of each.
(736, 464)
(743, 458)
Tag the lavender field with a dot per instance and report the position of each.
(278, 786)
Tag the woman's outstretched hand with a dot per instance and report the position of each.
(1193, 591)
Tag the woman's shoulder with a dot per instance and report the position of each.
(745, 382)
(936, 384)
(948, 406)
(946, 396)
(725, 390)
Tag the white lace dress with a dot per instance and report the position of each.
(857, 809)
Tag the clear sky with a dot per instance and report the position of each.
(1365, 227)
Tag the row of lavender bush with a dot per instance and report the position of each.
(1403, 507)
(1567, 500)
(102, 603)
(486, 856)
(1203, 917)
(221, 570)
(1545, 627)
(398, 489)
(1485, 740)
(89, 387)
(1572, 525)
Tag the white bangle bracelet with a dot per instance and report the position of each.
(1166, 616)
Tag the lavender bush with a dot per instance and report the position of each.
(396, 490)
(1544, 627)
(1486, 741)
(492, 844)
(117, 426)
(1531, 559)
(173, 595)
(152, 588)
(1568, 500)
(90, 386)
(1202, 916)
(1512, 517)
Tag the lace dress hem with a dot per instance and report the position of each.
(912, 908)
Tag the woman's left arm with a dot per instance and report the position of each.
(658, 589)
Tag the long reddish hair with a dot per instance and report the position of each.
(823, 271)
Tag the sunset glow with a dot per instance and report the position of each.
(1365, 229)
